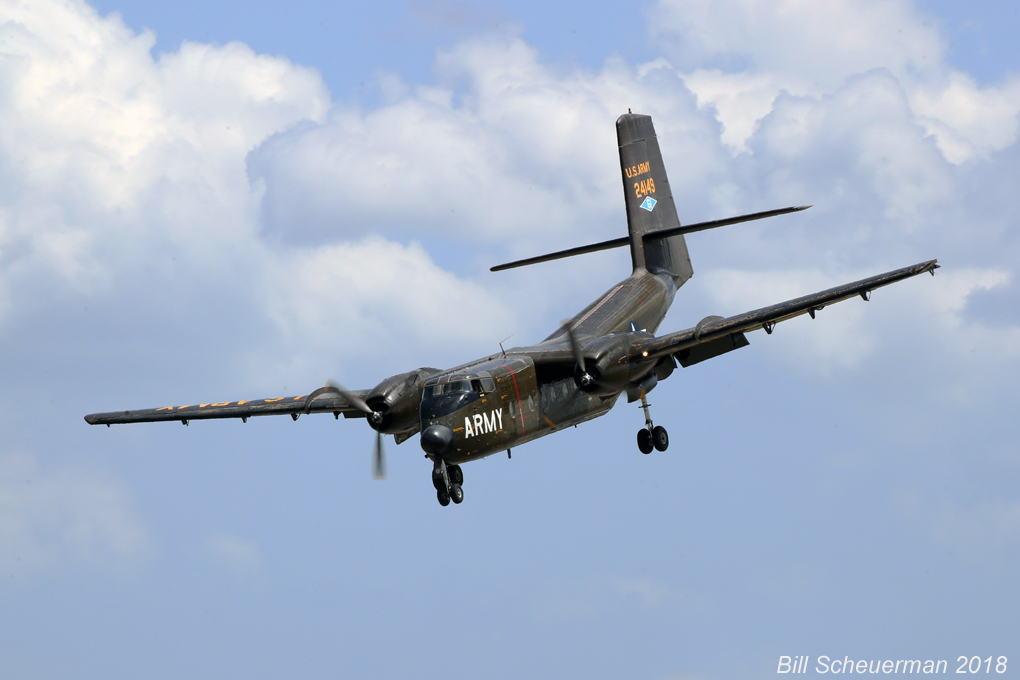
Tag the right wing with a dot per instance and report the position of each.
(716, 335)
(292, 406)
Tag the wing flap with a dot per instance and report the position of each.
(292, 406)
(766, 317)
(711, 349)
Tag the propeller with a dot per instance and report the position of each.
(585, 378)
(378, 458)
(375, 419)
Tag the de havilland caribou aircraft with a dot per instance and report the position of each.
(608, 349)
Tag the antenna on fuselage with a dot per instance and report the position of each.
(501, 344)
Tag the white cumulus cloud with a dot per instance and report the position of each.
(739, 55)
(504, 149)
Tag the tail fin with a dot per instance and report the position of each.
(650, 205)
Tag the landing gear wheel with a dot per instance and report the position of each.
(660, 439)
(456, 493)
(444, 499)
(644, 441)
(455, 473)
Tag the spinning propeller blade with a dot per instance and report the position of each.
(586, 377)
(568, 326)
(333, 387)
(374, 418)
(379, 458)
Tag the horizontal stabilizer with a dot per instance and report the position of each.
(570, 252)
(702, 226)
(662, 233)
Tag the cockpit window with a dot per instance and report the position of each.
(453, 397)
(453, 387)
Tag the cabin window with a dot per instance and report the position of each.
(483, 385)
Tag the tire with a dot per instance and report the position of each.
(455, 473)
(660, 439)
(644, 441)
(456, 493)
(444, 500)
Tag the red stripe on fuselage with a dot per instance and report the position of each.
(519, 408)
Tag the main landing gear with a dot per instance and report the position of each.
(448, 480)
(651, 436)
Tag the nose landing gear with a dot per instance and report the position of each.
(448, 480)
(651, 436)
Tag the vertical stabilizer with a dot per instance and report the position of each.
(650, 205)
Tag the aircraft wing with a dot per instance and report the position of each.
(292, 406)
(716, 335)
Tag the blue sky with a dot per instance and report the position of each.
(226, 201)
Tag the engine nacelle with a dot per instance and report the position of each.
(398, 399)
(614, 361)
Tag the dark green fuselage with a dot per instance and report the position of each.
(533, 395)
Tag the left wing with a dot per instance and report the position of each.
(716, 335)
(292, 406)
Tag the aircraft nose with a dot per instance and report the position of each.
(437, 440)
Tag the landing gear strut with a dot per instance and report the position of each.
(448, 480)
(651, 436)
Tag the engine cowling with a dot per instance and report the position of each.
(398, 398)
(613, 362)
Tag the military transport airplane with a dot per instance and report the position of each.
(504, 400)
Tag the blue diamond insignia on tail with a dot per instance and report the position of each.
(649, 204)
